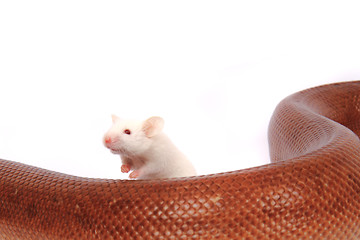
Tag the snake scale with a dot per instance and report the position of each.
(310, 190)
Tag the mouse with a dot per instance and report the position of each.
(145, 150)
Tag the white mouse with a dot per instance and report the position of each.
(145, 150)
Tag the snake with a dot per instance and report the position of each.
(309, 190)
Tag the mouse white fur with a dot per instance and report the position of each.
(145, 150)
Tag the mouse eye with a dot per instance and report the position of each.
(127, 131)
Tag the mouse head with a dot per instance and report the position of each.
(131, 138)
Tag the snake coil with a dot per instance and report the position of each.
(311, 190)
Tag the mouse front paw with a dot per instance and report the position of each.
(134, 174)
(125, 168)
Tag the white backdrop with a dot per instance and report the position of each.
(214, 70)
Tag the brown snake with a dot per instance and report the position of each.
(309, 191)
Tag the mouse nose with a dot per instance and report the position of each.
(107, 140)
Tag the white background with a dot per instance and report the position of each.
(214, 70)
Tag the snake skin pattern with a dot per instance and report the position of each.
(311, 190)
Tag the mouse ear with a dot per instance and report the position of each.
(153, 126)
(114, 118)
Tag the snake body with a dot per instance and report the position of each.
(311, 190)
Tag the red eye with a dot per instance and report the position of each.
(127, 131)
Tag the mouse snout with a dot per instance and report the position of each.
(107, 140)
